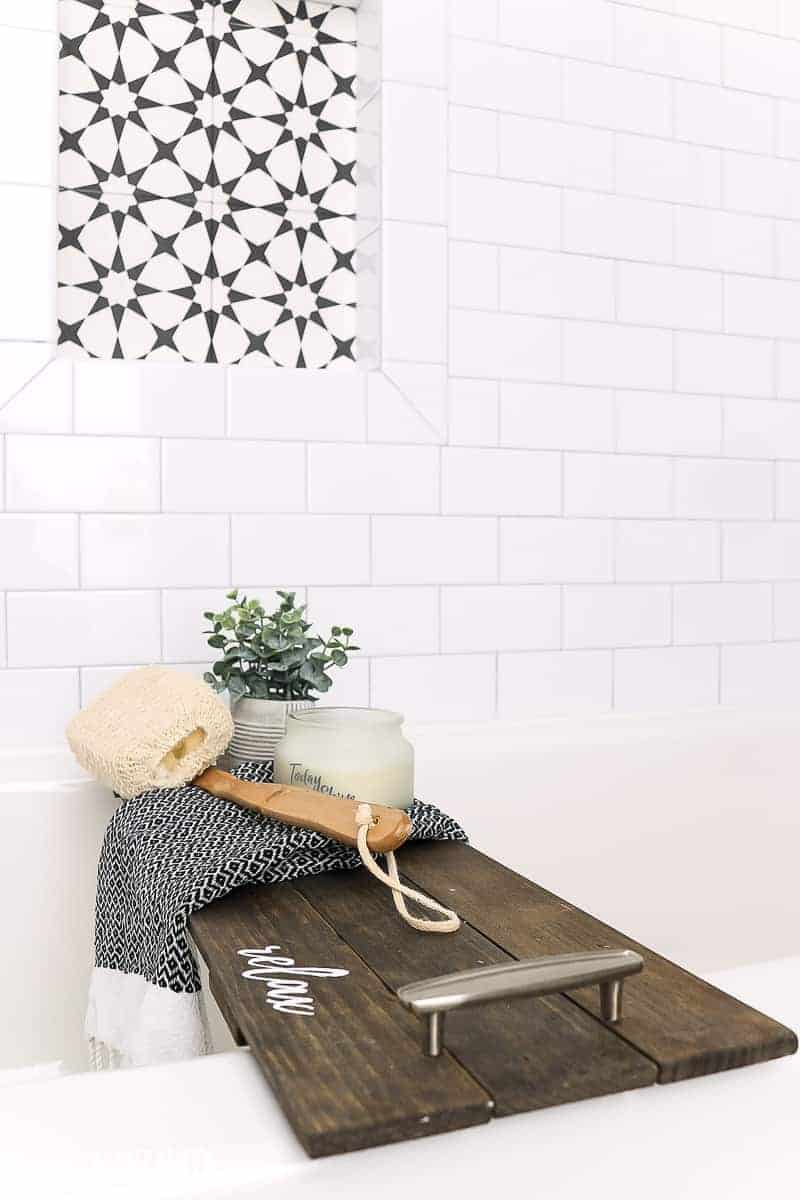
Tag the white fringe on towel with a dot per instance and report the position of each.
(133, 1023)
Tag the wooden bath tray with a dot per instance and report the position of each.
(346, 1060)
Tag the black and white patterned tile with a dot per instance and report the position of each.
(135, 276)
(208, 156)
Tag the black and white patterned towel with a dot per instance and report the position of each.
(169, 852)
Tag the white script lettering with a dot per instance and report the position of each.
(284, 993)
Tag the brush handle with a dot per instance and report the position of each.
(333, 816)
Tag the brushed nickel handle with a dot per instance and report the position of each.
(432, 998)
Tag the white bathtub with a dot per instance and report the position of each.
(681, 830)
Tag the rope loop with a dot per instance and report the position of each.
(450, 921)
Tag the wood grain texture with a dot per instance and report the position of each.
(527, 1053)
(685, 1025)
(352, 1075)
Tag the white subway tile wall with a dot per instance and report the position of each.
(591, 274)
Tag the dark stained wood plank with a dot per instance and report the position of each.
(682, 1023)
(351, 1075)
(527, 1053)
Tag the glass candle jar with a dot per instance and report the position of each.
(359, 753)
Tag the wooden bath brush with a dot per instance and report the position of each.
(370, 828)
(333, 816)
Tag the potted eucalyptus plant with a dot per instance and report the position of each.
(271, 664)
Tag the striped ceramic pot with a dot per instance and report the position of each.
(258, 727)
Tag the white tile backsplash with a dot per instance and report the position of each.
(596, 94)
(718, 116)
(553, 683)
(295, 404)
(37, 14)
(723, 241)
(441, 549)
(583, 29)
(556, 550)
(722, 612)
(556, 417)
(28, 79)
(551, 152)
(414, 326)
(577, 483)
(314, 549)
(474, 275)
(474, 18)
(505, 345)
(474, 412)
(668, 45)
(38, 551)
(517, 482)
(667, 551)
(54, 697)
(531, 618)
(155, 551)
(666, 678)
(531, 214)
(406, 55)
(616, 485)
(373, 479)
(503, 78)
(659, 423)
(761, 550)
(386, 620)
(617, 226)
(557, 285)
(82, 474)
(713, 362)
(36, 389)
(662, 170)
(232, 476)
(414, 175)
(153, 399)
(787, 491)
(756, 63)
(766, 676)
(616, 355)
(616, 616)
(715, 488)
(69, 629)
(27, 283)
(787, 612)
(473, 140)
(446, 687)
(670, 297)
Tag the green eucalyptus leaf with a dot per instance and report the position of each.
(257, 686)
(275, 654)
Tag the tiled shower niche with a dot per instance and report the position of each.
(207, 194)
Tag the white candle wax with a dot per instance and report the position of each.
(357, 753)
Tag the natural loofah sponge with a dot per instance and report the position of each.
(154, 728)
